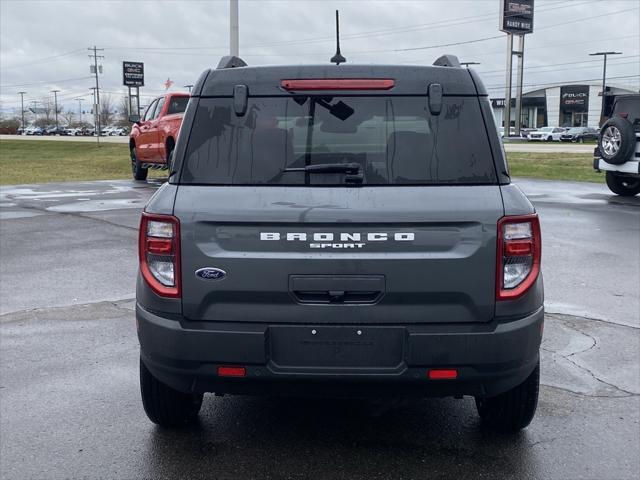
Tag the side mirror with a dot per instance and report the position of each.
(435, 98)
(134, 118)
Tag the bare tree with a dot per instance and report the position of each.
(106, 110)
(68, 117)
(123, 110)
(46, 110)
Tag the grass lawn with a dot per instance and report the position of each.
(24, 161)
(577, 167)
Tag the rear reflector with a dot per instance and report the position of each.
(232, 371)
(443, 374)
(339, 84)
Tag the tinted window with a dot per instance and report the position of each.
(395, 140)
(177, 105)
(159, 106)
(148, 115)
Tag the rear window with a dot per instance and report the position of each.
(393, 139)
(177, 105)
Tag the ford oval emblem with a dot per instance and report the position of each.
(210, 273)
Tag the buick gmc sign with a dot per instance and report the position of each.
(516, 16)
(574, 97)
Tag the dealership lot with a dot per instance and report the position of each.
(69, 362)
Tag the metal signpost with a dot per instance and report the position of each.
(516, 18)
(133, 77)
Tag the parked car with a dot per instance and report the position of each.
(547, 134)
(53, 130)
(105, 131)
(579, 134)
(618, 151)
(73, 132)
(153, 137)
(119, 132)
(318, 237)
(34, 131)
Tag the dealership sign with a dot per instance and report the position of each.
(574, 97)
(133, 74)
(516, 16)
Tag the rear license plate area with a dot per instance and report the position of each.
(336, 348)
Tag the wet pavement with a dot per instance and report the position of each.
(69, 399)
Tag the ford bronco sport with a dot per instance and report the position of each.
(340, 231)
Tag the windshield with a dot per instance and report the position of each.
(576, 130)
(546, 129)
(393, 140)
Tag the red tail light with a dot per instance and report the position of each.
(443, 374)
(339, 84)
(159, 252)
(518, 256)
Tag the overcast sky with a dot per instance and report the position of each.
(43, 44)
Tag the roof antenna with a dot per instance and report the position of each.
(338, 58)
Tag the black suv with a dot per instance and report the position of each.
(618, 151)
(340, 231)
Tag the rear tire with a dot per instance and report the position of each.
(623, 185)
(164, 405)
(138, 171)
(549, 139)
(514, 409)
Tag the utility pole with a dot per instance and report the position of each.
(604, 77)
(55, 105)
(95, 69)
(188, 86)
(22, 108)
(95, 112)
(80, 100)
(507, 92)
(234, 42)
(519, 76)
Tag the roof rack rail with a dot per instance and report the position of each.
(447, 61)
(230, 61)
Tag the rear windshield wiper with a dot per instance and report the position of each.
(348, 168)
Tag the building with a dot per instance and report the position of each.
(563, 106)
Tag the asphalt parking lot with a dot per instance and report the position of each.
(69, 400)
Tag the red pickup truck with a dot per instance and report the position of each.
(153, 136)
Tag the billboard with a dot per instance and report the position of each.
(574, 97)
(516, 16)
(133, 74)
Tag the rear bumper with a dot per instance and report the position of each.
(631, 167)
(490, 358)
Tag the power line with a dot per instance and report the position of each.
(43, 60)
(44, 81)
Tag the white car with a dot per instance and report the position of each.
(546, 134)
(118, 132)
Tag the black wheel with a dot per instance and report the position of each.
(170, 147)
(549, 138)
(624, 185)
(514, 409)
(139, 172)
(580, 140)
(164, 405)
(617, 140)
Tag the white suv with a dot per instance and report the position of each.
(546, 134)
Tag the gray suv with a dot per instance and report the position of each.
(340, 231)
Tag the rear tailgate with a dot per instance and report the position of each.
(338, 255)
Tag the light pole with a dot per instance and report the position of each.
(188, 86)
(466, 64)
(22, 108)
(35, 111)
(604, 76)
(55, 105)
(234, 43)
(80, 100)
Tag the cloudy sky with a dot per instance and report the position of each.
(43, 44)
